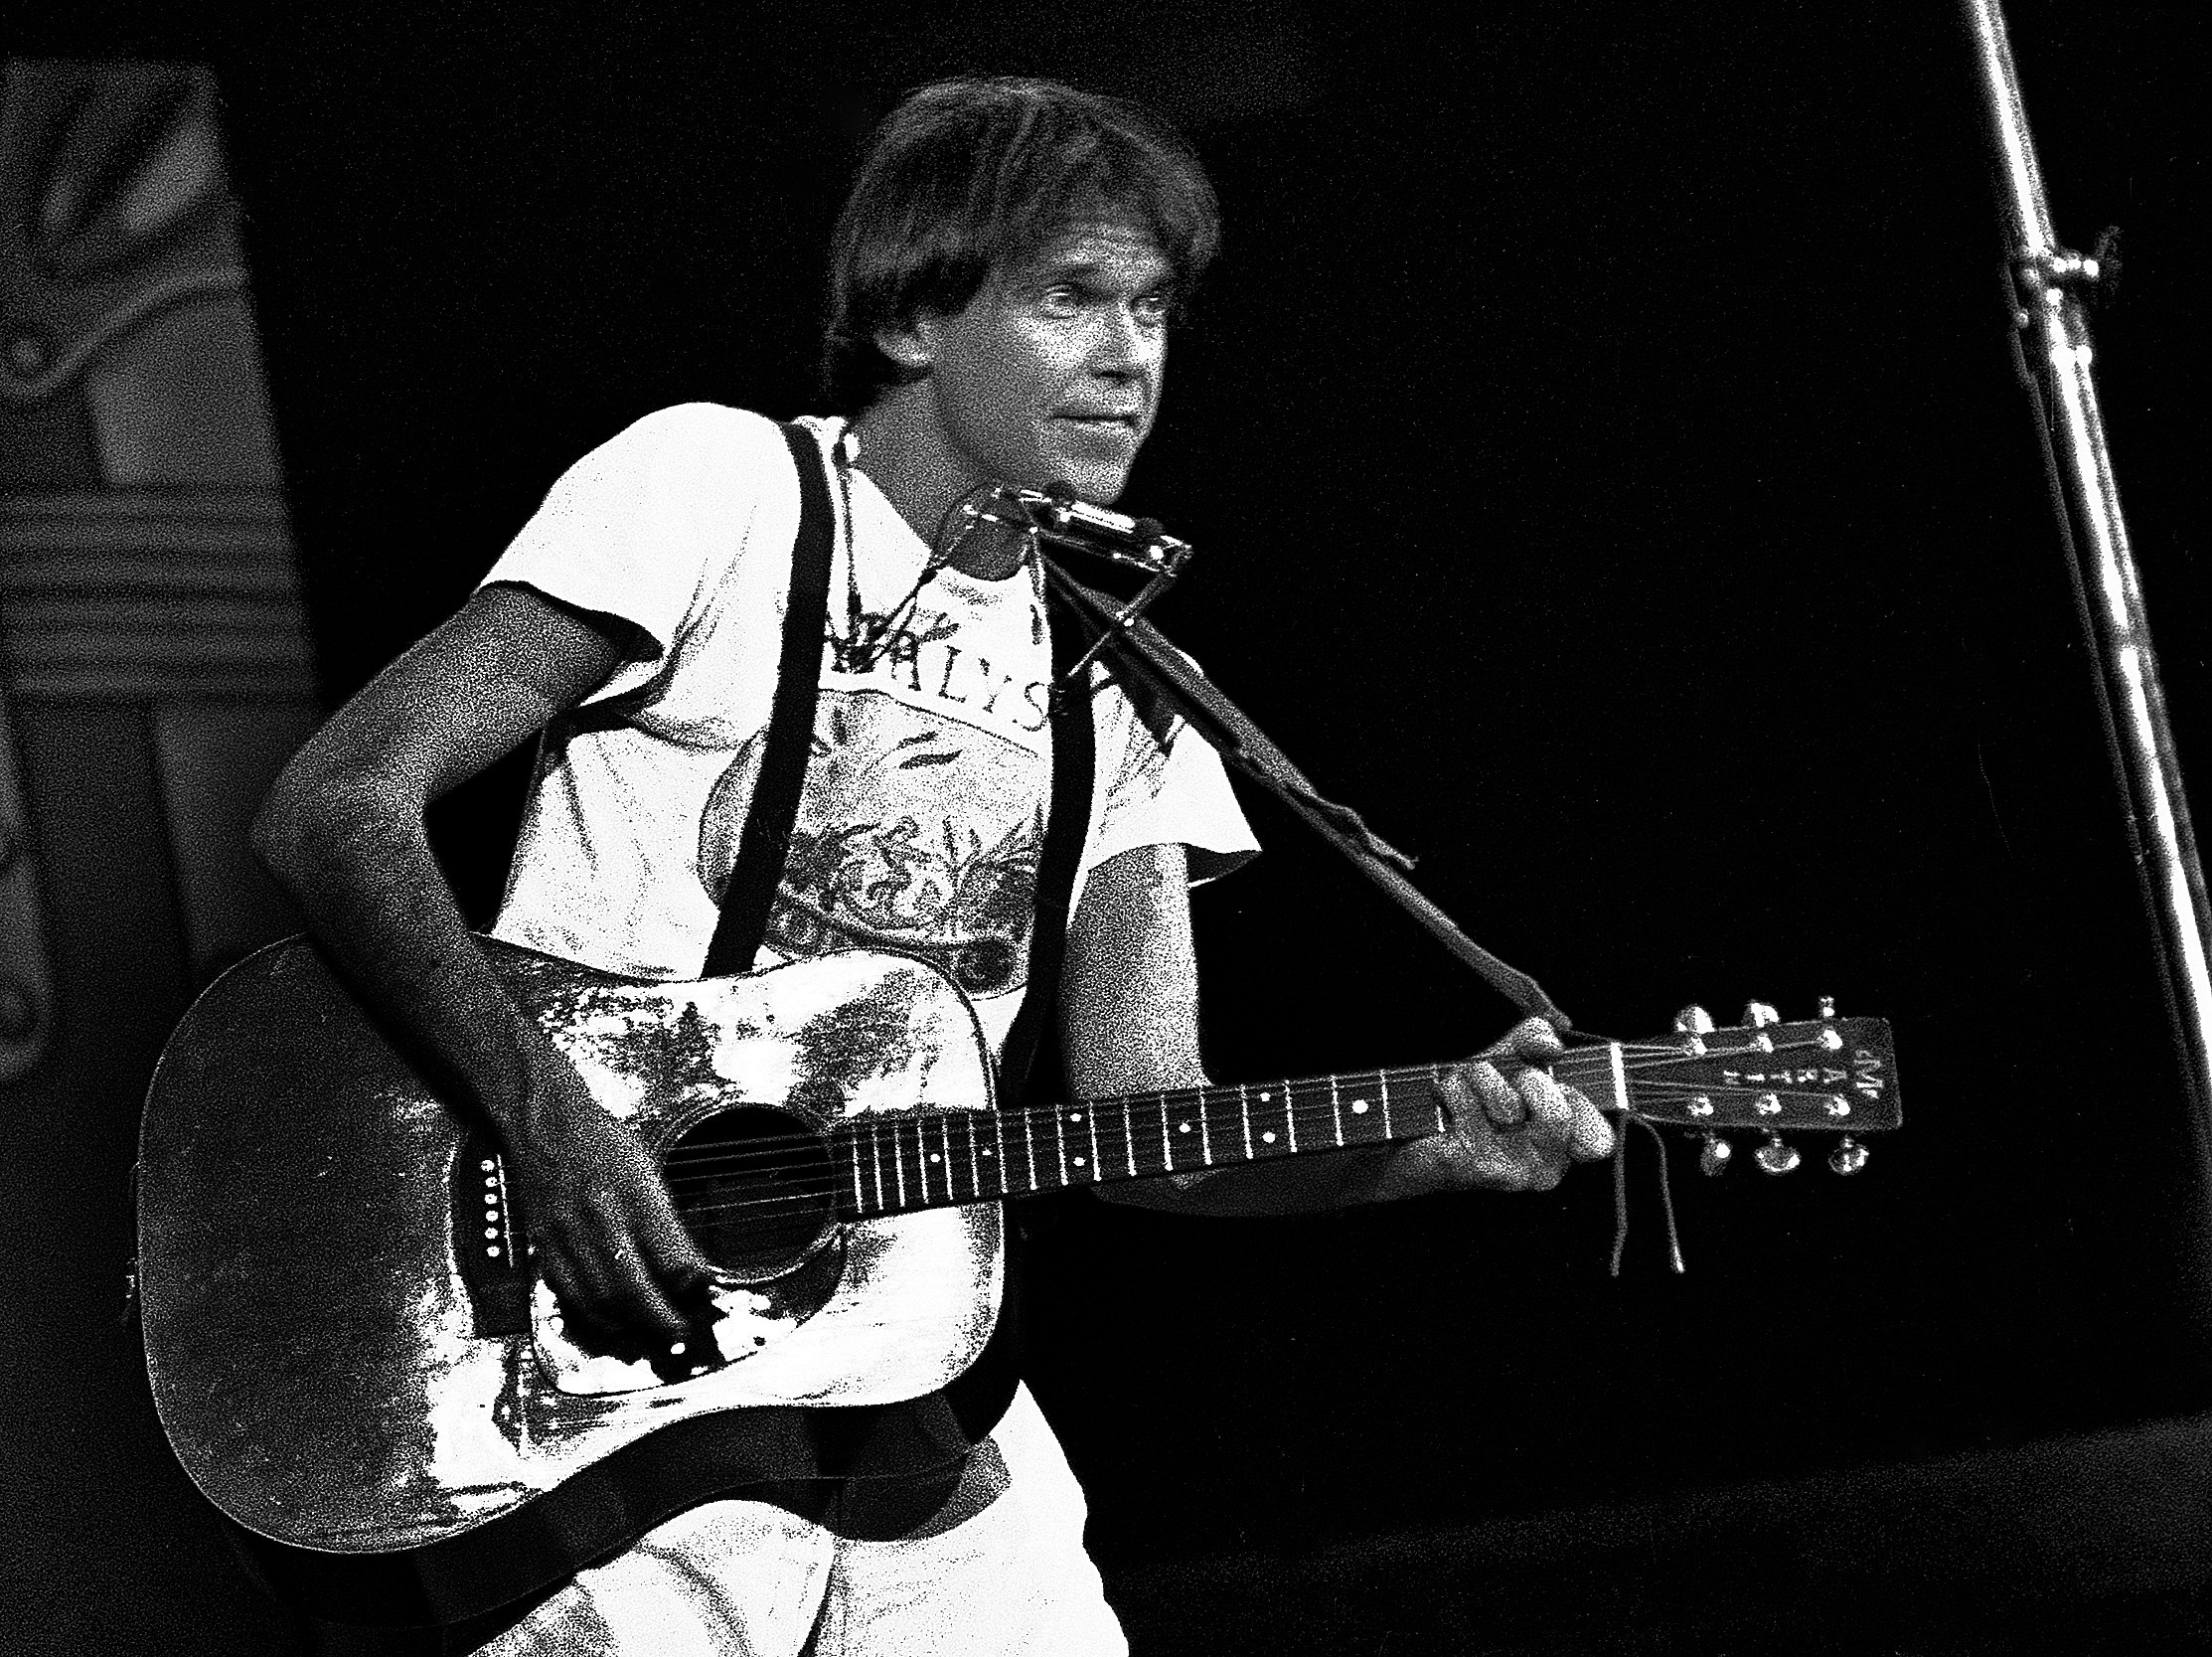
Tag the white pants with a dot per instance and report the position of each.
(738, 1579)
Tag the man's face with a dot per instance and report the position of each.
(1053, 372)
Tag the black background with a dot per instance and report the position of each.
(1603, 449)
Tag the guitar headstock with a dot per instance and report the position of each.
(1825, 1075)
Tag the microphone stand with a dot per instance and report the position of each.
(2049, 284)
(1151, 666)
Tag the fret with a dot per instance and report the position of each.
(1266, 1140)
(1204, 1103)
(898, 1165)
(914, 1126)
(1166, 1145)
(946, 1121)
(998, 1152)
(1028, 1145)
(875, 1162)
(860, 1198)
(1077, 1164)
(938, 1156)
(1245, 1110)
(1117, 1149)
(975, 1172)
(981, 1158)
(1388, 1132)
(1357, 1110)
(1290, 1116)
(1059, 1144)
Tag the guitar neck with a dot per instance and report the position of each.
(934, 1159)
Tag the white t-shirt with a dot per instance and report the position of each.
(930, 774)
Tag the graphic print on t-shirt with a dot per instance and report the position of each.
(919, 829)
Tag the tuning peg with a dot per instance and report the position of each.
(1758, 1015)
(1776, 1157)
(1713, 1159)
(1849, 1157)
(1827, 1006)
(1694, 1021)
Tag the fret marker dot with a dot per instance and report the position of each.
(1074, 1115)
(1358, 1108)
(1264, 1097)
(986, 1150)
(1267, 1138)
(934, 1157)
(1078, 1162)
(1182, 1127)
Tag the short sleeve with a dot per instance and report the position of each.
(648, 522)
(1172, 795)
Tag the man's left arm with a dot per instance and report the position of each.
(1129, 1009)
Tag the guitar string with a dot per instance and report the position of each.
(816, 1190)
(1289, 1088)
(1321, 1102)
(1314, 1120)
(1025, 1119)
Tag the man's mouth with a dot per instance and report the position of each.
(1100, 423)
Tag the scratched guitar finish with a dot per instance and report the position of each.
(352, 1357)
(310, 1331)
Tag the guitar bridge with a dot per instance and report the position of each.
(491, 1252)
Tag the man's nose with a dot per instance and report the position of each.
(1124, 347)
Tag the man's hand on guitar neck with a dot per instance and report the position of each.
(1130, 1005)
(1514, 1129)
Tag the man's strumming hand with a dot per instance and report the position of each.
(604, 1230)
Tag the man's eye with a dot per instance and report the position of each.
(1062, 300)
(1154, 307)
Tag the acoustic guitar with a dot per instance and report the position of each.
(354, 1364)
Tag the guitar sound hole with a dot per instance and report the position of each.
(753, 1188)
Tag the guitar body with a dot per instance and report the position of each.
(354, 1362)
(349, 1353)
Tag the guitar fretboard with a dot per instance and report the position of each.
(934, 1159)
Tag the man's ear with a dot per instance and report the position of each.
(913, 347)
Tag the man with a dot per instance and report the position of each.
(1003, 278)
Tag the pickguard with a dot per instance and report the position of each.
(736, 1322)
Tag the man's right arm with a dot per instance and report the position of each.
(342, 830)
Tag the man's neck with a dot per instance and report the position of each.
(902, 448)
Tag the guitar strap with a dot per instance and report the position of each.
(896, 1440)
(758, 868)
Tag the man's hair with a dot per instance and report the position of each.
(970, 175)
